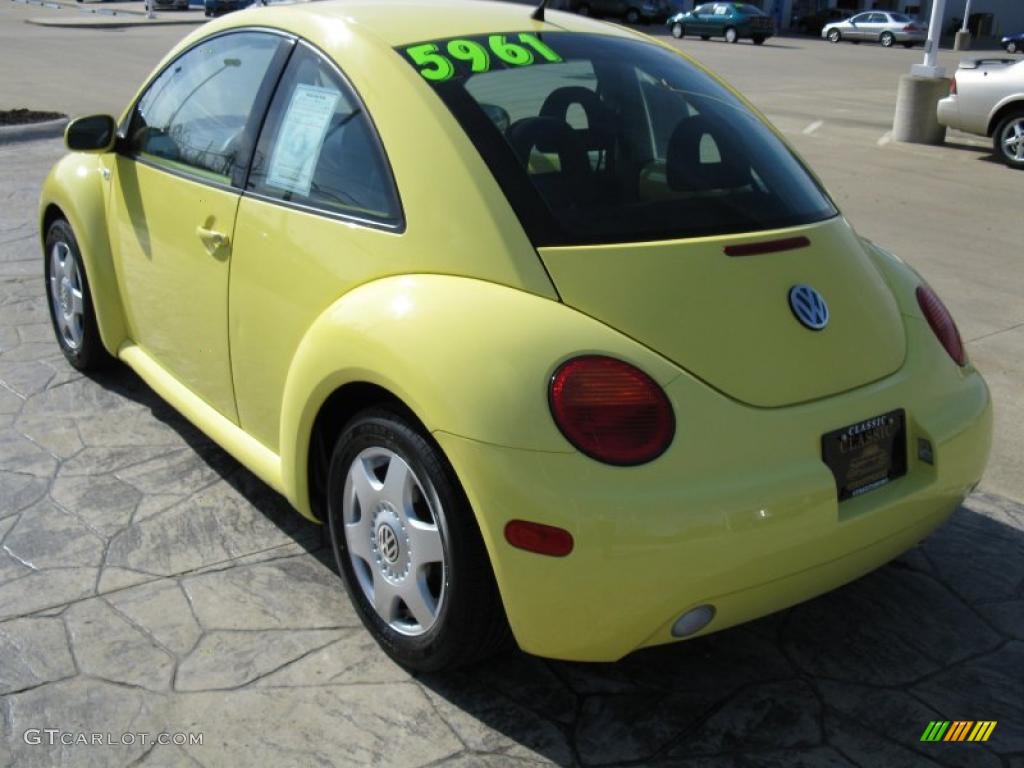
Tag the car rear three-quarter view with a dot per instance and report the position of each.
(547, 325)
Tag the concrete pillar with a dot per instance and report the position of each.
(915, 120)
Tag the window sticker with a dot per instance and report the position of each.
(444, 59)
(301, 137)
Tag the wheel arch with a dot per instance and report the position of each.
(340, 407)
(460, 355)
(1011, 104)
(75, 190)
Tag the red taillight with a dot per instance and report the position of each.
(540, 538)
(941, 321)
(952, 87)
(611, 410)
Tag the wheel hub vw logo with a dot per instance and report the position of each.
(808, 306)
(387, 543)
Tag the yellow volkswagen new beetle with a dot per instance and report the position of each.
(546, 323)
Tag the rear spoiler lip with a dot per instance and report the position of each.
(975, 63)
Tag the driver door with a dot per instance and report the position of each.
(174, 202)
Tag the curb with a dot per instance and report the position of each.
(9, 134)
(114, 23)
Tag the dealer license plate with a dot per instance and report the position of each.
(868, 454)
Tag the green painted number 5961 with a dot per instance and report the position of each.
(438, 67)
(433, 65)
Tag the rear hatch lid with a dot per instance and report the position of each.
(727, 319)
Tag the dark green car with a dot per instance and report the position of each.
(732, 21)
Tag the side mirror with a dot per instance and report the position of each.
(96, 133)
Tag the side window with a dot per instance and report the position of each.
(193, 115)
(318, 147)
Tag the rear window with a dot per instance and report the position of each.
(599, 139)
(899, 17)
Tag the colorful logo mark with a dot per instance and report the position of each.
(958, 730)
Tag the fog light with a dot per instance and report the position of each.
(693, 621)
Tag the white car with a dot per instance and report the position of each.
(986, 97)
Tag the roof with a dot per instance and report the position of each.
(397, 22)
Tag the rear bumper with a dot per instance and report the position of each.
(740, 513)
(948, 112)
(910, 37)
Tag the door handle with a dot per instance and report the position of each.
(211, 237)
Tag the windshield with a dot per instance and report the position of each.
(599, 139)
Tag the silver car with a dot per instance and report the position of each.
(882, 27)
(986, 97)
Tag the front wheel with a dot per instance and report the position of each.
(1008, 139)
(678, 31)
(758, 40)
(71, 307)
(731, 35)
(408, 548)
(1011, 47)
(834, 35)
(887, 39)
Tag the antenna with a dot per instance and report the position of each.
(538, 15)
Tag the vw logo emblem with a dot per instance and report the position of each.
(808, 306)
(387, 543)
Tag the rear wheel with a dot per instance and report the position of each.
(887, 39)
(678, 31)
(71, 308)
(758, 40)
(408, 548)
(834, 35)
(731, 35)
(1008, 139)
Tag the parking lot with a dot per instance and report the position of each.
(149, 584)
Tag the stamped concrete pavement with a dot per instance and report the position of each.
(148, 585)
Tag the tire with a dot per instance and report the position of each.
(887, 39)
(731, 35)
(678, 31)
(834, 35)
(1008, 139)
(70, 300)
(632, 16)
(459, 618)
(1011, 47)
(758, 40)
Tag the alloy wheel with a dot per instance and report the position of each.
(1011, 139)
